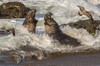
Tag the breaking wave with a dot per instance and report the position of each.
(63, 14)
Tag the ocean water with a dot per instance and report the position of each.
(65, 11)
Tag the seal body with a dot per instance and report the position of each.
(30, 21)
(53, 30)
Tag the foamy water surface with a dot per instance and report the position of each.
(64, 11)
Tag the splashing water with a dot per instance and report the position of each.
(63, 13)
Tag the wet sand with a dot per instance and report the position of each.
(77, 60)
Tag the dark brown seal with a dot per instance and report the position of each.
(84, 12)
(30, 21)
(53, 30)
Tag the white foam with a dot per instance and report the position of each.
(43, 42)
(82, 35)
(63, 13)
(94, 1)
(67, 10)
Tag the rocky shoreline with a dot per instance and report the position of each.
(85, 24)
(13, 10)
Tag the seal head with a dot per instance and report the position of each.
(30, 21)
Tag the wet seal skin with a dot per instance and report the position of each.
(30, 21)
(53, 30)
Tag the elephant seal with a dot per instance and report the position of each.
(84, 12)
(30, 21)
(53, 30)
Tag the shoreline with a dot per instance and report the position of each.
(71, 60)
(88, 59)
(50, 57)
(59, 54)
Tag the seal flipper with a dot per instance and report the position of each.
(87, 13)
(12, 31)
